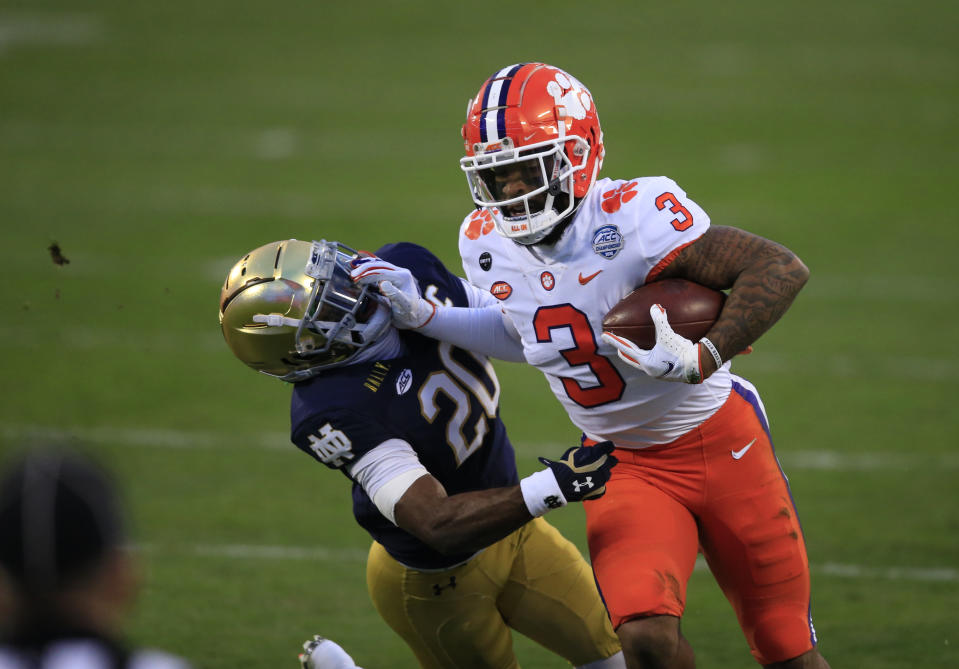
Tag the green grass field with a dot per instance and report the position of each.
(157, 142)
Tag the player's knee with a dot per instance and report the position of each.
(808, 660)
(781, 638)
(653, 641)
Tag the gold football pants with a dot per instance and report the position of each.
(534, 581)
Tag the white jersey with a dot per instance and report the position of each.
(624, 233)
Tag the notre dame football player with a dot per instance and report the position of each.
(460, 553)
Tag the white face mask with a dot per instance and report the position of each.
(528, 189)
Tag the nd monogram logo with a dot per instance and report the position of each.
(331, 446)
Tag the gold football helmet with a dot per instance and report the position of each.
(290, 310)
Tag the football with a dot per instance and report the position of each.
(690, 307)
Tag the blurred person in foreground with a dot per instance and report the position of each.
(68, 577)
(460, 555)
(558, 249)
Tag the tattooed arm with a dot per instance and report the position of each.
(763, 277)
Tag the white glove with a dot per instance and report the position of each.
(398, 285)
(320, 653)
(673, 358)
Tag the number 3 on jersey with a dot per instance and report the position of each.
(610, 384)
(686, 222)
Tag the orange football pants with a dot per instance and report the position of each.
(717, 489)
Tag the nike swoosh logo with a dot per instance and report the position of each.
(583, 280)
(669, 368)
(742, 451)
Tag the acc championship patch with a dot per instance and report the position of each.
(607, 241)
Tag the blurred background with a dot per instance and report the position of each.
(153, 144)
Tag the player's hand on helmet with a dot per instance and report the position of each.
(320, 653)
(673, 358)
(398, 285)
(580, 474)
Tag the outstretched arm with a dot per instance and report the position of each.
(461, 523)
(763, 278)
(407, 494)
(481, 328)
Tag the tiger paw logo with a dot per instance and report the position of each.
(616, 198)
(569, 93)
(481, 223)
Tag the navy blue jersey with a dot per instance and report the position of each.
(440, 399)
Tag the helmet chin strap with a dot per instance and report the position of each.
(557, 230)
(552, 233)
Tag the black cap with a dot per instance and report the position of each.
(59, 516)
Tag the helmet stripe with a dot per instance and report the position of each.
(493, 122)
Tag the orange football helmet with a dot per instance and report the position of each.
(533, 148)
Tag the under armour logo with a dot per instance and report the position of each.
(588, 483)
(438, 589)
(552, 502)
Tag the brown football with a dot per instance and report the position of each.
(690, 307)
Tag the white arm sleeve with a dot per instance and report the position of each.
(482, 328)
(477, 297)
(386, 473)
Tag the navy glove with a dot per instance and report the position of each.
(580, 474)
(583, 471)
